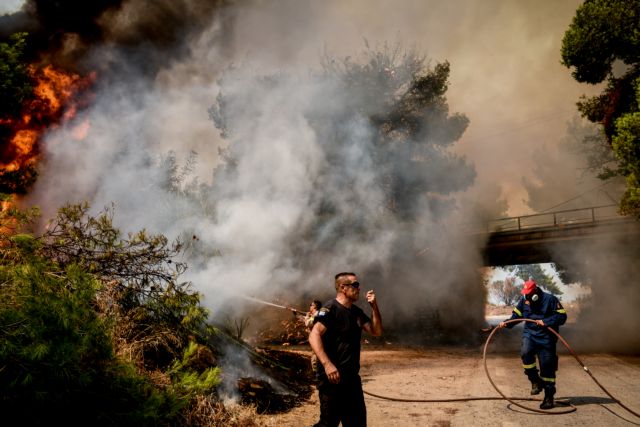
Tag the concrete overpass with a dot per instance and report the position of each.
(531, 239)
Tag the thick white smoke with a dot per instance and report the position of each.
(505, 76)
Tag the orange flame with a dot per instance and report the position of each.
(55, 102)
(56, 87)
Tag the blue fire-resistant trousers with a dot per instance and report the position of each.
(547, 359)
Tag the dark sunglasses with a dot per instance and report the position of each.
(355, 285)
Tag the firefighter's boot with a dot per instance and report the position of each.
(536, 382)
(547, 403)
(549, 392)
(536, 388)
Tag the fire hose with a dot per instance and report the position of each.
(512, 400)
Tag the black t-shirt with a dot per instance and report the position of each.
(341, 340)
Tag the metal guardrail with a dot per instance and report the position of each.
(555, 219)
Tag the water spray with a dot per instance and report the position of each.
(273, 305)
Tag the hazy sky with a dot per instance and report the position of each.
(9, 6)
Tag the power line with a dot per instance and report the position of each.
(546, 118)
(575, 197)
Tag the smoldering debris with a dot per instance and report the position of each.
(271, 380)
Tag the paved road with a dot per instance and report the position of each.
(459, 372)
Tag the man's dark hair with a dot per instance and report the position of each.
(339, 275)
(317, 304)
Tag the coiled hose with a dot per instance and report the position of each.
(512, 400)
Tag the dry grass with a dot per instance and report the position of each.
(207, 412)
(134, 334)
(135, 343)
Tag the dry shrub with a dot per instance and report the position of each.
(159, 378)
(145, 346)
(208, 412)
(135, 337)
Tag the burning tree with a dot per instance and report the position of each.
(16, 91)
(35, 97)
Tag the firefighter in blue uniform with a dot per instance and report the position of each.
(537, 340)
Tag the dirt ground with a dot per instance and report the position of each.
(441, 373)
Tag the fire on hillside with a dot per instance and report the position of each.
(57, 96)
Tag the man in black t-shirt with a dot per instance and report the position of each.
(335, 339)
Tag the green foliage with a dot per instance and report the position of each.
(140, 261)
(603, 32)
(626, 145)
(26, 244)
(42, 305)
(16, 86)
(14, 223)
(71, 303)
(535, 272)
(155, 313)
(56, 353)
(405, 101)
(189, 381)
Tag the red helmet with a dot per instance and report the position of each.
(529, 287)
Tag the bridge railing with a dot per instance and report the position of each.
(555, 219)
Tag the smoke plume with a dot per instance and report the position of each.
(261, 212)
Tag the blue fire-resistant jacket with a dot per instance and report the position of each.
(548, 309)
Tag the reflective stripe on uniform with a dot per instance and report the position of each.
(533, 365)
(562, 310)
(549, 380)
(516, 311)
